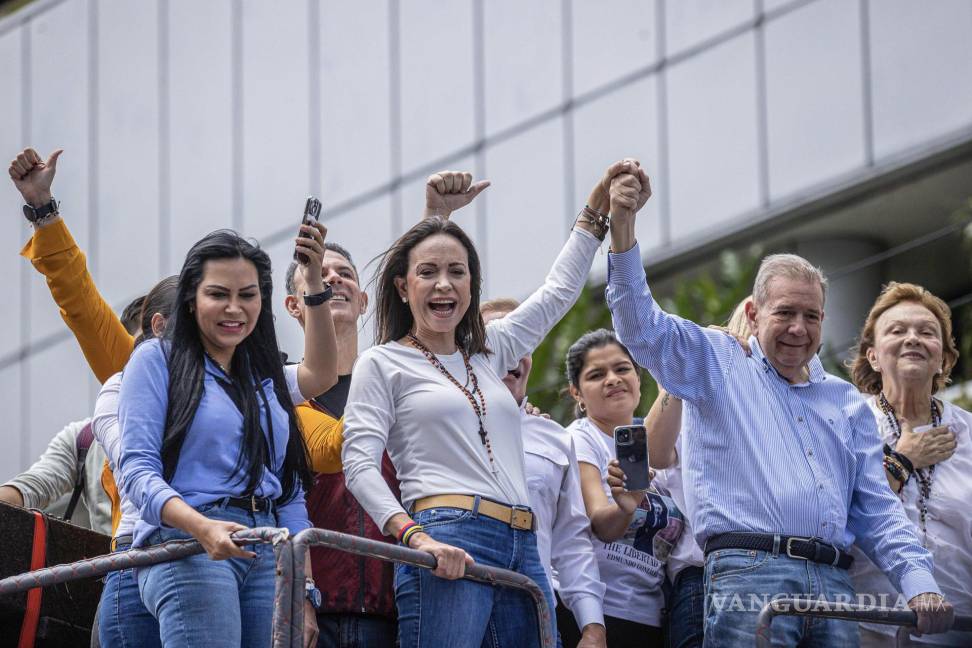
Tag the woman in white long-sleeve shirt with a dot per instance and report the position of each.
(430, 392)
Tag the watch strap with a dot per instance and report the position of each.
(34, 214)
(319, 298)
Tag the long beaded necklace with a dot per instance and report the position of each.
(924, 478)
(478, 405)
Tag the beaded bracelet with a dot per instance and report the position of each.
(404, 529)
(897, 471)
(904, 461)
(596, 219)
(412, 530)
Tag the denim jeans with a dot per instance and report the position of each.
(686, 609)
(355, 631)
(738, 582)
(434, 612)
(213, 603)
(123, 620)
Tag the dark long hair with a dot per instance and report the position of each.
(159, 300)
(256, 358)
(394, 318)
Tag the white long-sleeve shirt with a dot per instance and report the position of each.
(104, 424)
(949, 526)
(53, 475)
(563, 528)
(687, 552)
(399, 401)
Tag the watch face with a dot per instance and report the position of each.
(29, 213)
(314, 596)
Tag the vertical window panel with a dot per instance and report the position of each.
(921, 55)
(276, 96)
(814, 95)
(712, 137)
(200, 123)
(611, 40)
(436, 80)
(354, 99)
(523, 64)
(128, 151)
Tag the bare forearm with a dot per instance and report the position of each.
(176, 513)
(11, 495)
(610, 523)
(318, 370)
(663, 423)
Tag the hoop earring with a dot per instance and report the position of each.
(582, 407)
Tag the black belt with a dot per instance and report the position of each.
(795, 547)
(252, 503)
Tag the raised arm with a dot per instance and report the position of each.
(54, 253)
(520, 332)
(664, 422)
(690, 361)
(317, 372)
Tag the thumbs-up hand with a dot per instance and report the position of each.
(33, 177)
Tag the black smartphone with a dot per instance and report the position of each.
(631, 448)
(312, 213)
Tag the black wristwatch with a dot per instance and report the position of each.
(312, 594)
(319, 298)
(34, 214)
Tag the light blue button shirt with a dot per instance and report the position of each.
(761, 454)
(207, 463)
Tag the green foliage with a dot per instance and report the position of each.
(708, 297)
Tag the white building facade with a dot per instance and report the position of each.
(781, 121)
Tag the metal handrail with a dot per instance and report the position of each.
(290, 555)
(838, 610)
(386, 551)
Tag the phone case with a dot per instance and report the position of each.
(631, 447)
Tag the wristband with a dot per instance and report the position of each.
(319, 298)
(411, 531)
(404, 530)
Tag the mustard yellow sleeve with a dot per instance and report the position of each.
(104, 341)
(323, 435)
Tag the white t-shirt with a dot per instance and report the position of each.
(949, 526)
(563, 528)
(399, 401)
(687, 552)
(632, 568)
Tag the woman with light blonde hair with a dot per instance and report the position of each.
(905, 356)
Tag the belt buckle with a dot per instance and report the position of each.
(789, 549)
(253, 504)
(521, 518)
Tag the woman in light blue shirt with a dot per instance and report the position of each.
(210, 442)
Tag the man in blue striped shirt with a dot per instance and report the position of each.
(781, 461)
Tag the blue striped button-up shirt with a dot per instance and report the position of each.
(761, 454)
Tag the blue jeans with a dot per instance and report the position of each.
(213, 603)
(686, 609)
(123, 620)
(738, 582)
(355, 631)
(434, 612)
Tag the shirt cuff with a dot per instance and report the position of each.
(918, 581)
(49, 240)
(587, 610)
(626, 268)
(25, 493)
(153, 512)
